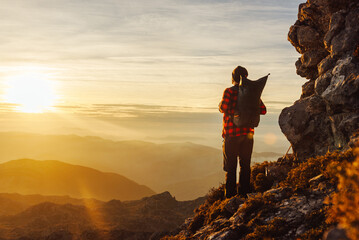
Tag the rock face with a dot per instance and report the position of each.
(327, 113)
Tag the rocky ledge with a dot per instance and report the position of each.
(291, 200)
(326, 116)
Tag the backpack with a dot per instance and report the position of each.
(247, 110)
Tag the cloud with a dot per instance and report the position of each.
(7, 107)
(173, 59)
(92, 29)
(157, 123)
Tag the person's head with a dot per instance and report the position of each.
(237, 73)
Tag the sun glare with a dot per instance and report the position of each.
(32, 92)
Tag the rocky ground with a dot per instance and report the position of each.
(292, 200)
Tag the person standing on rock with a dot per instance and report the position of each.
(238, 139)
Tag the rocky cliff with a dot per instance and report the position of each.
(326, 116)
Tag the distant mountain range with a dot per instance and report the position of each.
(26, 176)
(199, 186)
(194, 187)
(155, 165)
(14, 203)
(56, 217)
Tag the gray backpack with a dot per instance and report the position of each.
(247, 111)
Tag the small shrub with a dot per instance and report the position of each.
(262, 183)
(299, 177)
(315, 221)
(312, 234)
(258, 168)
(289, 160)
(215, 194)
(259, 180)
(266, 174)
(345, 202)
(212, 209)
(252, 205)
(217, 210)
(272, 229)
(256, 207)
(196, 223)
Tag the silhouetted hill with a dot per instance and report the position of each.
(14, 203)
(50, 177)
(194, 187)
(172, 163)
(48, 215)
(114, 219)
(265, 155)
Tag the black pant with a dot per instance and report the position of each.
(233, 147)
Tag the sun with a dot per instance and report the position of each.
(31, 92)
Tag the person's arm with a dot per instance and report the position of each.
(263, 109)
(224, 104)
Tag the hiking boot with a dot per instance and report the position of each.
(229, 194)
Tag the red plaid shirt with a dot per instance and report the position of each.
(227, 106)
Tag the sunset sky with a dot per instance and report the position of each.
(142, 70)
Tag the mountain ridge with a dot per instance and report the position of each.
(13, 203)
(152, 216)
(172, 162)
(52, 177)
